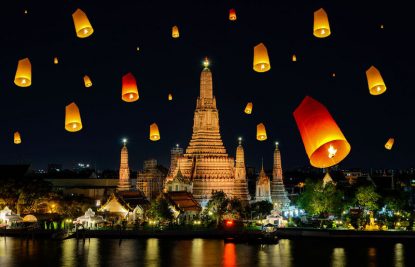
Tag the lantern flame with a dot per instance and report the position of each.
(332, 151)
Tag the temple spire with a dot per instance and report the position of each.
(241, 183)
(206, 88)
(278, 193)
(124, 183)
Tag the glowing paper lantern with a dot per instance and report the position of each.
(389, 144)
(17, 140)
(294, 58)
(23, 77)
(261, 60)
(170, 97)
(261, 133)
(323, 140)
(55, 60)
(175, 32)
(129, 88)
(248, 108)
(87, 81)
(375, 81)
(83, 27)
(73, 122)
(232, 14)
(154, 132)
(321, 27)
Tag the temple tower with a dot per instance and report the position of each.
(278, 193)
(124, 183)
(263, 187)
(206, 162)
(175, 153)
(241, 184)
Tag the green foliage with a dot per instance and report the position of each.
(261, 208)
(160, 210)
(319, 200)
(367, 198)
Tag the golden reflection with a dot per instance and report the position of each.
(399, 258)
(229, 255)
(69, 252)
(92, 252)
(338, 257)
(372, 257)
(152, 252)
(197, 252)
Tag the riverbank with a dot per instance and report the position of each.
(335, 234)
(281, 233)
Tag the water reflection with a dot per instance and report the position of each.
(399, 256)
(152, 252)
(229, 255)
(338, 257)
(197, 252)
(371, 256)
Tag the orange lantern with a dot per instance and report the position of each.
(261, 60)
(73, 121)
(87, 81)
(129, 88)
(389, 144)
(175, 32)
(55, 60)
(375, 81)
(294, 58)
(17, 139)
(261, 133)
(170, 97)
(248, 108)
(323, 140)
(23, 77)
(321, 27)
(83, 27)
(232, 14)
(154, 132)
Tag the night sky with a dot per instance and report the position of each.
(164, 65)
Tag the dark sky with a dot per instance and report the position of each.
(165, 65)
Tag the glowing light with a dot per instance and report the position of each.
(229, 223)
(332, 151)
(206, 62)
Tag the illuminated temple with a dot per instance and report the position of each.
(205, 161)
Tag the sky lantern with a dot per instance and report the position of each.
(294, 59)
(232, 14)
(248, 108)
(83, 27)
(87, 81)
(129, 88)
(389, 143)
(261, 133)
(23, 77)
(175, 32)
(73, 122)
(323, 140)
(170, 97)
(55, 60)
(375, 81)
(154, 132)
(261, 60)
(321, 27)
(17, 139)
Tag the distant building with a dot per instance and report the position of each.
(151, 180)
(278, 194)
(179, 183)
(263, 187)
(124, 183)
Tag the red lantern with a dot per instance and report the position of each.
(129, 88)
(232, 14)
(323, 140)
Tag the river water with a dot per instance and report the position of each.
(201, 252)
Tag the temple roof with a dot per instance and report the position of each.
(183, 201)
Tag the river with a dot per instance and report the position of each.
(200, 252)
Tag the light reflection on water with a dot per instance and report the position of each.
(198, 252)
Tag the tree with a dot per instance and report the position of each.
(320, 200)
(217, 205)
(160, 210)
(261, 208)
(367, 198)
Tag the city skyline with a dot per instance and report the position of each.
(164, 65)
